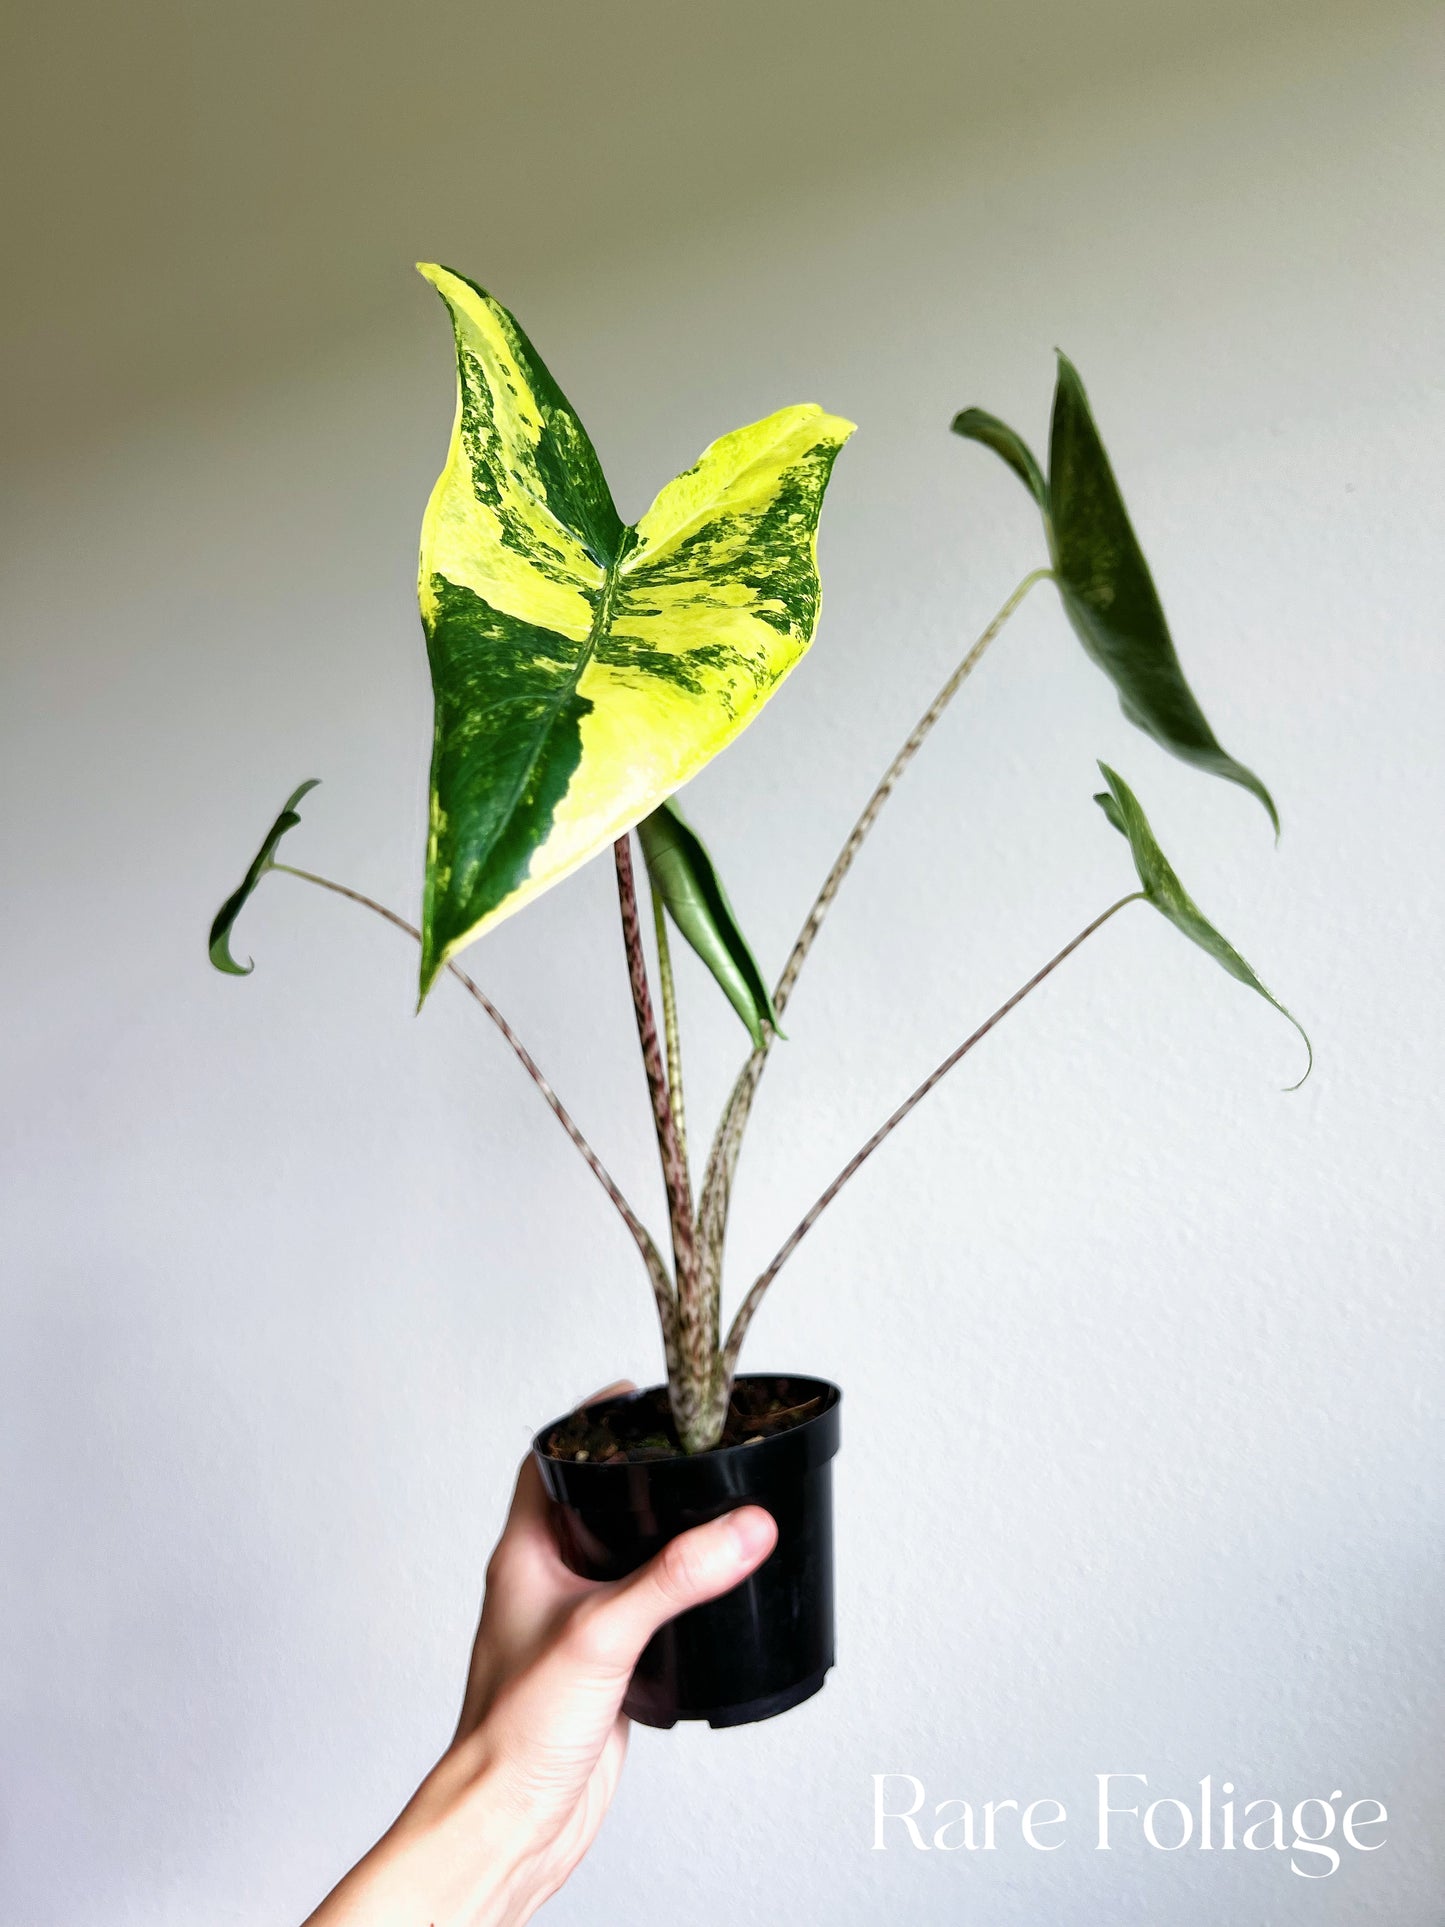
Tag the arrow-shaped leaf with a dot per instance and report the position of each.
(1109, 594)
(583, 671)
(1104, 581)
(220, 941)
(689, 885)
(1163, 889)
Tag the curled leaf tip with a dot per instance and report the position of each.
(1309, 1051)
(1163, 889)
(977, 425)
(264, 860)
(1111, 810)
(1247, 780)
(223, 960)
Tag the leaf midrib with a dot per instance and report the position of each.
(629, 549)
(601, 622)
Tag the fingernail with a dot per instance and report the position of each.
(753, 1531)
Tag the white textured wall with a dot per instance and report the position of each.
(1141, 1466)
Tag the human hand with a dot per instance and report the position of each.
(514, 1803)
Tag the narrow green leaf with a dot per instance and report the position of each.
(1163, 889)
(1109, 594)
(689, 885)
(265, 860)
(583, 671)
(977, 425)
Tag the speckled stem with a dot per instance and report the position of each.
(651, 1256)
(749, 1306)
(697, 1336)
(717, 1183)
(671, 1030)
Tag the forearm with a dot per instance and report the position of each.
(516, 1800)
(458, 1855)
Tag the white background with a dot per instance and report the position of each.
(1141, 1357)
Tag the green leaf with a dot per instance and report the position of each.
(977, 425)
(1103, 580)
(692, 891)
(583, 671)
(1163, 889)
(1109, 594)
(265, 859)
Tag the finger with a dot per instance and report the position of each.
(571, 1700)
(696, 1566)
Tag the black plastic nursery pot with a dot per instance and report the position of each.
(768, 1644)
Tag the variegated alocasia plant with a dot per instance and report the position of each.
(583, 671)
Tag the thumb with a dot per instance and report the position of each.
(696, 1566)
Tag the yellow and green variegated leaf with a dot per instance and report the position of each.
(1163, 889)
(582, 670)
(264, 860)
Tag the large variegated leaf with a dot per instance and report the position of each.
(1163, 889)
(264, 860)
(583, 670)
(1104, 581)
(687, 881)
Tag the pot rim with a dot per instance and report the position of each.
(812, 1441)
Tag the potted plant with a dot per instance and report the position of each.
(583, 671)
